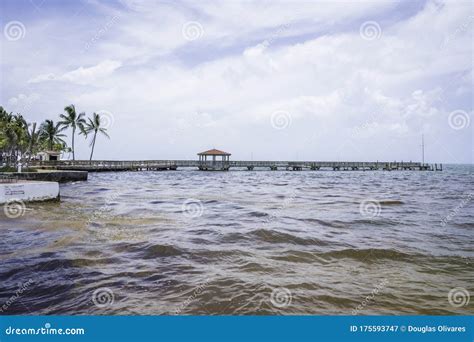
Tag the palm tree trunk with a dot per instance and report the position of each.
(93, 145)
(73, 133)
(32, 138)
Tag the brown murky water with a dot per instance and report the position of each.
(242, 242)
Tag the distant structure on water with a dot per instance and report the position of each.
(214, 164)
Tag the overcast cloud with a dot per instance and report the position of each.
(274, 80)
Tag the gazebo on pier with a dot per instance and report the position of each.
(213, 164)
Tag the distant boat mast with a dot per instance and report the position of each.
(423, 149)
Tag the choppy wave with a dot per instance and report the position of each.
(247, 238)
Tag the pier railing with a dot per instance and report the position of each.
(119, 165)
(107, 164)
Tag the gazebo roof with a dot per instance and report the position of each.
(214, 152)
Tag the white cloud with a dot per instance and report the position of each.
(82, 75)
(22, 103)
(314, 65)
(42, 78)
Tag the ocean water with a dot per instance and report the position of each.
(245, 243)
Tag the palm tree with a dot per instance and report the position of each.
(13, 136)
(33, 139)
(51, 133)
(8, 136)
(73, 120)
(94, 125)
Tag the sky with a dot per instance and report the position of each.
(263, 80)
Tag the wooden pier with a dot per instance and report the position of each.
(161, 165)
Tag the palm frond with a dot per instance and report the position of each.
(104, 132)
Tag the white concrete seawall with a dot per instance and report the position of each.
(28, 191)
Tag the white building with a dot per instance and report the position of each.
(49, 155)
